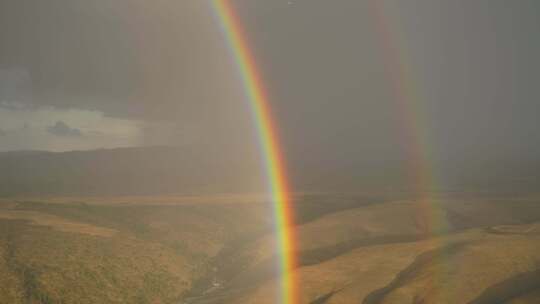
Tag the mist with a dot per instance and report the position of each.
(161, 74)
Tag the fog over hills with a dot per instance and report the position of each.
(180, 170)
(147, 170)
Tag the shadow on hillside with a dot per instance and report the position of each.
(510, 288)
(410, 272)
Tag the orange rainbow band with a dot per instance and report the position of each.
(269, 144)
(411, 105)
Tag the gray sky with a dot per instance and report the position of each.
(77, 74)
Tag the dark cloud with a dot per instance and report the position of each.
(60, 128)
(469, 69)
(155, 61)
(121, 57)
(472, 64)
(15, 88)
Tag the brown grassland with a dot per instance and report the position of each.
(351, 249)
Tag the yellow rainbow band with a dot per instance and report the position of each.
(269, 144)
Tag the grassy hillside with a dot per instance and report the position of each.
(107, 253)
(352, 249)
(382, 253)
(48, 266)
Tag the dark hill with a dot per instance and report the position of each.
(133, 171)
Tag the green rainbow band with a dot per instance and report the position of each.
(411, 107)
(269, 145)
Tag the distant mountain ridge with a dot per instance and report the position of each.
(157, 170)
(138, 170)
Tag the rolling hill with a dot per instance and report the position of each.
(197, 250)
(104, 226)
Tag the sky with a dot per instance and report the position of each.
(77, 74)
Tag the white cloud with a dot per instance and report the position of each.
(62, 130)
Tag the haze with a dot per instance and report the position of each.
(92, 74)
(132, 170)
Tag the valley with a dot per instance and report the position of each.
(351, 249)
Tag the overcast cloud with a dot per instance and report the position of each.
(161, 70)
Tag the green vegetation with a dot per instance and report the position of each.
(47, 266)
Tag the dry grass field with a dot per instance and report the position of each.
(352, 249)
(382, 253)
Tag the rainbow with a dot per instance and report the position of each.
(408, 101)
(269, 144)
(411, 106)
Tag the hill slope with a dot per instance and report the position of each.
(352, 249)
